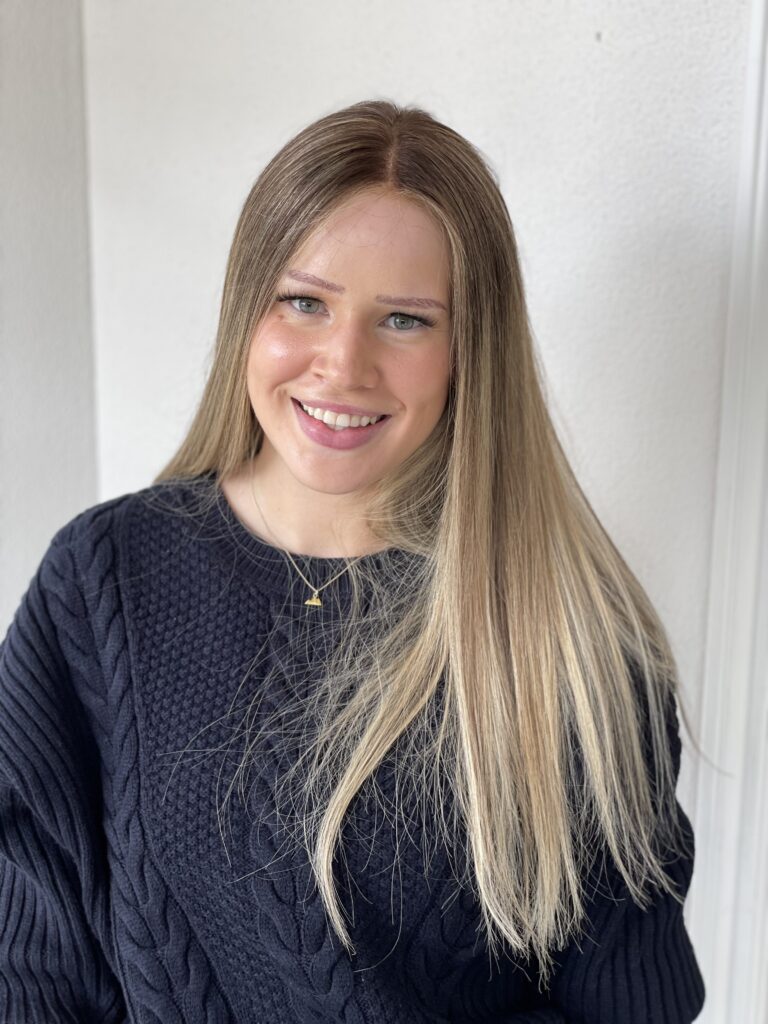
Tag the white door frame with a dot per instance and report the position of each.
(729, 894)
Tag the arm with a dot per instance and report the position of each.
(54, 906)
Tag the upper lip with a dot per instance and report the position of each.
(352, 410)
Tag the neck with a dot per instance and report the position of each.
(290, 516)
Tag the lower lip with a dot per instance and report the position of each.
(342, 440)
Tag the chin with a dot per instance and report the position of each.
(324, 485)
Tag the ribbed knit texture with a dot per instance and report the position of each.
(120, 896)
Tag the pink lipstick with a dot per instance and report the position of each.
(342, 440)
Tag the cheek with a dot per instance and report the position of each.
(422, 401)
(274, 356)
(426, 379)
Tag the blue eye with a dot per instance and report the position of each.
(413, 321)
(298, 298)
(405, 316)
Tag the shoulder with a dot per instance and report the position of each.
(77, 530)
(88, 555)
(177, 500)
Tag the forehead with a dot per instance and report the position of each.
(374, 230)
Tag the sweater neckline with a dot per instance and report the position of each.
(270, 565)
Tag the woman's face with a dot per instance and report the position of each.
(366, 334)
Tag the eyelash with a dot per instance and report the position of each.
(426, 321)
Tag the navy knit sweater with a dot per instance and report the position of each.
(121, 898)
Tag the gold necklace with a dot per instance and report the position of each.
(313, 601)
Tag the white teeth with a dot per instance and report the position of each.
(339, 421)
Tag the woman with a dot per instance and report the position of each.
(356, 713)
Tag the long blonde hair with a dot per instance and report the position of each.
(556, 735)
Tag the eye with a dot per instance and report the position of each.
(405, 322)
(411, 321)
(298, 298)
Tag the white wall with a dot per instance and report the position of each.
(47, 442)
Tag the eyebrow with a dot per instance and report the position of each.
(405, 300)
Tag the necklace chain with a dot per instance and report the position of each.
(313, 601)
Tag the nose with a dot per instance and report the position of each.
(345, 356)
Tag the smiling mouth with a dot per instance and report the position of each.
(339, 438)
(340, 421)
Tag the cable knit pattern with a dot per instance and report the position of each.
(149, 628)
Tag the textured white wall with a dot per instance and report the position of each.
(47, 444)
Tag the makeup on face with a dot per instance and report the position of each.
(359, 328)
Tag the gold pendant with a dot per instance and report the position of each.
(314, 601)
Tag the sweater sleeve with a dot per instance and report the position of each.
(54, 905)
(629, 965)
